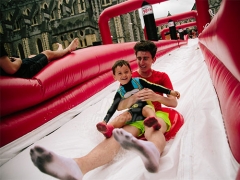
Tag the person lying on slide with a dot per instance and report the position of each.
(123, 74)
(29, 67)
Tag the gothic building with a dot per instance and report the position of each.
(31, 26)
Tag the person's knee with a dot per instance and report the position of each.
(48, 53)
(163, 128)
(132, 129)
(148, 111)
(126, 116)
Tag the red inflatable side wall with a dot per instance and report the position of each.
(27, 104)
(219, 45)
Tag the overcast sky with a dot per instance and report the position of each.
(173, 6)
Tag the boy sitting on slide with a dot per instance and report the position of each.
(122, 72)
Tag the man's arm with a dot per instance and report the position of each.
(147, 95)
(10, 66)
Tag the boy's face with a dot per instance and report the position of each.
(145, 61)
(122, 74)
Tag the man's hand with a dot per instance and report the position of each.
(147, 95)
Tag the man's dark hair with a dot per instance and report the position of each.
(120, 63)
(146, 45)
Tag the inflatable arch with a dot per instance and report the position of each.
(132, 5)
(182, 16)
(177, 27)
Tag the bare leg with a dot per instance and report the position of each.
(60, 47)
(145, 149)
(148, 112)
(117, 122)
(157, 137)
(52, 55)
(151, 120)
(55, 165)
(65, 168)
(121, 119)
(103, 153)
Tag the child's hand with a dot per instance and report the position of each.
(176, 94)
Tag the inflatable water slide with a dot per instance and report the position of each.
(60, 107)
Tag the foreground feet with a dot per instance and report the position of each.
(145, 149)
(152, 122)
(55, 165)
(106, 130)
(73, 46)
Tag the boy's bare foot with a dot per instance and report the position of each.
(54, 165)
(73, 46)
(152, 122)
(145, 149)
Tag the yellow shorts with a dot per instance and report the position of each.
(160, 114)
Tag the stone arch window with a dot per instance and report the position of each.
(35, 19)
(10, 17)
(106, 2)
(53, 14)
(81, 43)
(21, 51)
(81, 32)
(45, 6)
(74, 8)
(27, 12)
(81, 6)
(61, 10)
(85, 41)
(39, 44)
(16, 25)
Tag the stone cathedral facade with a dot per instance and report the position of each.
(31, 26)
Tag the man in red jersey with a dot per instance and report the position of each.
(149, 151)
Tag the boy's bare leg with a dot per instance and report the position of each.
(148, 152)
(151, 120)
(118, 122)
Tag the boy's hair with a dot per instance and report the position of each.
(120, 63)
(146, 45)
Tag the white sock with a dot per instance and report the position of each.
(57, 166)
(145, 149)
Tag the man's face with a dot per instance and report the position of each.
(144, 61)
